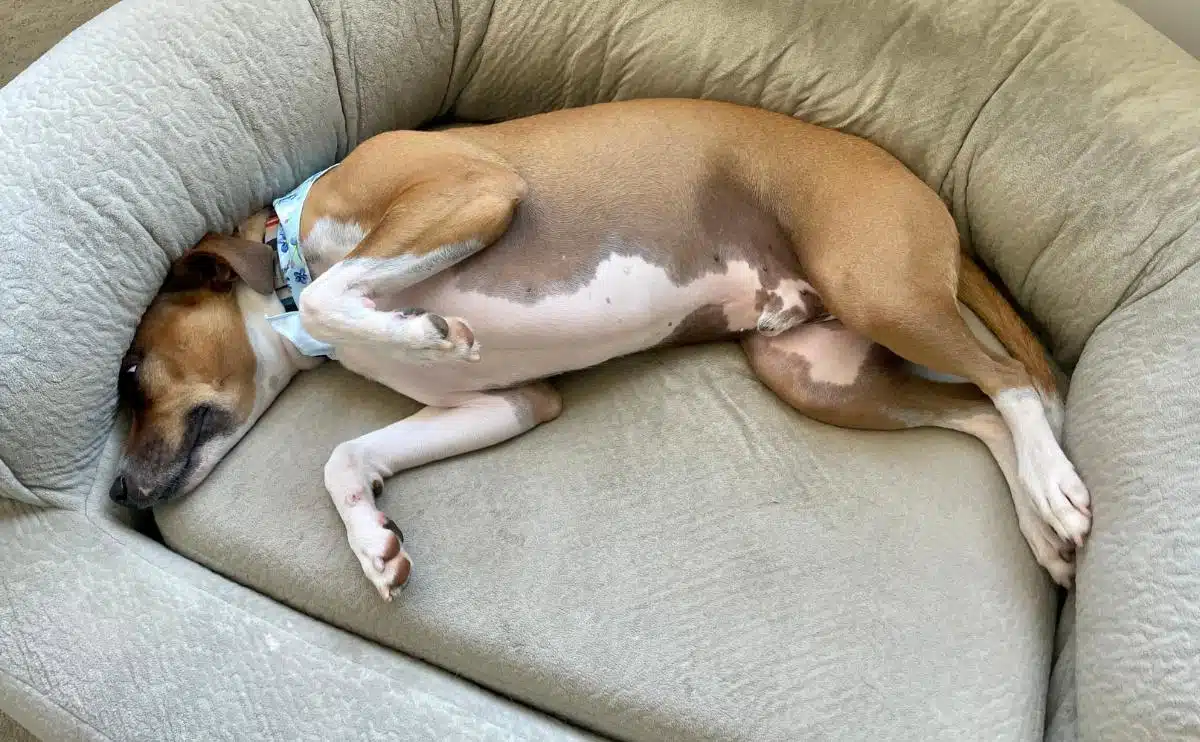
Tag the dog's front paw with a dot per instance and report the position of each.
(380, 550)
(433, 337)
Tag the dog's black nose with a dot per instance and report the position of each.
(119, 492)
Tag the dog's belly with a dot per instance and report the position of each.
(629, 305)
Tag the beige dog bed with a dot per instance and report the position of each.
(679, 556)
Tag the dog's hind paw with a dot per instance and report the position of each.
(1055, 554)
(1060, 497)
(380, 551)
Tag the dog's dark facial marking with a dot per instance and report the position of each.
(158, 474)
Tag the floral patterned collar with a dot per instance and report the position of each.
(294, 270)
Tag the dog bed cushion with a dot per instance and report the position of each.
(679, 556)
(1063, 133)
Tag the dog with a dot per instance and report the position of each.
(464, 267)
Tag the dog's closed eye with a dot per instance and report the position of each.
(129, 388)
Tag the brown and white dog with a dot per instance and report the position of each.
(608, 230)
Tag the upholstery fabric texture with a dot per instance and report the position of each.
(28, 28)
(1136, 407)
(1062, 722)
(132, 643)
(679, 556)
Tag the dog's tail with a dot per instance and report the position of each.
(976, 291)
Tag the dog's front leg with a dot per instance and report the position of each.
(428, 228)
(357, 468)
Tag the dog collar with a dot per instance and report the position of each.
(292, 270)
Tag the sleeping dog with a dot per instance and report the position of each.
(462, 268)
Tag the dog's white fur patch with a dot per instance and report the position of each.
(337, 307)
(328, 241)
(1050, 549)
(431, 434)
(1046, 475)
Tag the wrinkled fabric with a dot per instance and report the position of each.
(1062, 718)
(1136, 406)
(677, 557)
(31, 27)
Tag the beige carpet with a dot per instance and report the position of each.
(29, 27)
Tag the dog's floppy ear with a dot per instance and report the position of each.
(217, 261)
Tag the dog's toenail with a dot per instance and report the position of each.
(376, 487)
(391, 526)
(440, 324)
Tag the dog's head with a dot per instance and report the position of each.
(203, 366)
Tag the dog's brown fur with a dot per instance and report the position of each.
(524, 211)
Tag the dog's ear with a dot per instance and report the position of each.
(217, 261)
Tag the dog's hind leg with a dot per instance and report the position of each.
(431, 225)
(896, 281)
(356, 469)
(837, 376)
